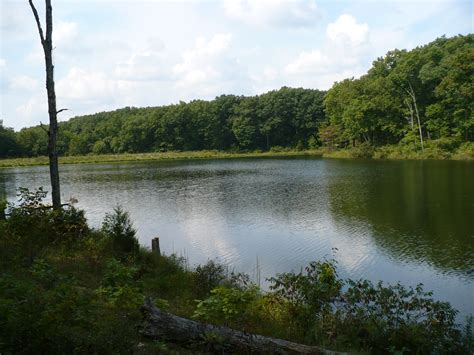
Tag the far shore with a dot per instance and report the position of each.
(211, 154)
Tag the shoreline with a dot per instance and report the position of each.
(206, 154)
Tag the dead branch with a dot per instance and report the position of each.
(160, 325)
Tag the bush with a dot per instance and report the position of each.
(118, 227)
(229, 306)
(465, 151)
(279, 149)
(363, 150)
(379, 317)
(209, 276)
(119, 288)
(357, 314)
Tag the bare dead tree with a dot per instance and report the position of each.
(410, 108)
(412, 95)
(47, 44)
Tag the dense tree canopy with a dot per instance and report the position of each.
(407, 98)
(286, 117)
(8, 143)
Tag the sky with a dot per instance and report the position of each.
(112, 54)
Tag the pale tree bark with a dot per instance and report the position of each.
(412, 95)
(47, 44)
(410, 108)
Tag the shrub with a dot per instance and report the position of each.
(363, 150)
(381, 316)
(358, 314)
(209, 276)
(118, 227)
(307, 294)
(279, 149)
(228, 305)
(118, 286)
(465, 151)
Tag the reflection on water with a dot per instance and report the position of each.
(397, 221)
(418, 211)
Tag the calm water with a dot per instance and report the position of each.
(405, 221)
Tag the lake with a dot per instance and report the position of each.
(407, 221)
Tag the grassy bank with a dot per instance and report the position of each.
(109, 158)
(67, 288)
(395, 152)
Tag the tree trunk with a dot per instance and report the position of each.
(159, 325)
(410, 108)
(411, 92)
(47, 43)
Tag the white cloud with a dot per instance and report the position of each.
(23, 83)
(298, 13)
(102, 64)
(309, 63)
(150, 63)
(342, 55)
(143, 66)
(82, 85)
(33, 111)
(346, 28)
(16, 20)
(65, 33)
(206, 66)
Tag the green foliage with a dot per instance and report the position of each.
(3, 207)
(65, 288)
(228, 306)
(428, 89)
(209, 276)
(465, 151)
(308, 293)
(382, 316)
(118, 227)
(33, 226)
(364, 150)
(285, 117)
(361, 315)
(8, 142)
(118, 286)
(44, 311)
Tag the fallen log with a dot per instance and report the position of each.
(164, 326)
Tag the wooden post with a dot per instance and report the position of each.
(155, 246)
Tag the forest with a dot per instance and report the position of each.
(408, 102)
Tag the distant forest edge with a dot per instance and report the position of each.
(408, 102)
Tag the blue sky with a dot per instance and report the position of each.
(111, 54)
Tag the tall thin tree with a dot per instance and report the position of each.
(47, 44)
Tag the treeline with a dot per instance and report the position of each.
(409, 99)
(287, 117)
(406, 98)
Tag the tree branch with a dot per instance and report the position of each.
(44, 129)
(61, 110)
(38, 23)
(160, 325)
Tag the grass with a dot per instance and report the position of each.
(393, 152)
(109, 158)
